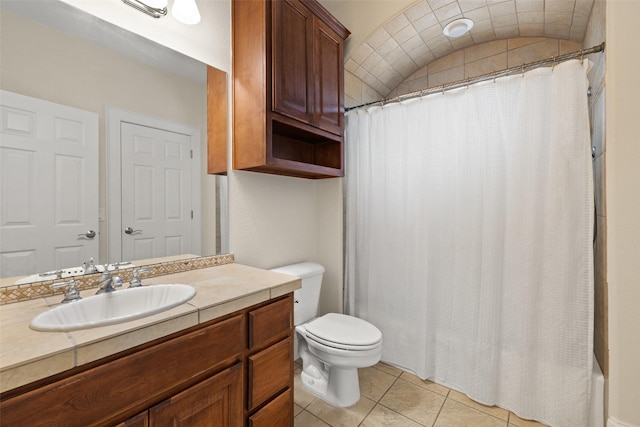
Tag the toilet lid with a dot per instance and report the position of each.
(343, 329)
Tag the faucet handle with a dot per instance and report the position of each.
(136, 282)
(71, 293)
(117, 282)
(58, 273)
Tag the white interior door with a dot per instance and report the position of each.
(49, 185)
(157, 211)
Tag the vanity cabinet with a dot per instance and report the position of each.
(288, 88)
(207, 375)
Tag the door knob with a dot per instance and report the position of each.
(89, 234)
(130, 230)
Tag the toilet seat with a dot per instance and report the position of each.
(344, 332)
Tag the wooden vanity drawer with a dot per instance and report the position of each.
(129, 384)
(270, 322)
(277, 413)
(269, 372)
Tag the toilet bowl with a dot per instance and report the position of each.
(332, 347)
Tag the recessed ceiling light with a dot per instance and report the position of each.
(458, 28)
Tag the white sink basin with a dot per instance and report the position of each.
(113, 307)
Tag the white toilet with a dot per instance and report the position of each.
(332, 347)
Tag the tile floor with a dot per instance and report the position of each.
(392, 397)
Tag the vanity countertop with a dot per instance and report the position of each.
(27, 355)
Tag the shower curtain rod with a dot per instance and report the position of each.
(484, 77)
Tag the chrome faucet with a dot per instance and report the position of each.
(89, 267)
(108, 283)
(71, 294)
(136, 282)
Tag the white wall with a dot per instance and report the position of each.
(209, 41)
(273, 219)
(276, 220)
(623, 210)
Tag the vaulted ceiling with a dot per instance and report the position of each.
(403, 41)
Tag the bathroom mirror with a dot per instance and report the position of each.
(54, 52)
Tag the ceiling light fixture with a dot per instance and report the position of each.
(185, 11)
(458, 28)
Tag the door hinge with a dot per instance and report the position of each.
(191, 153)
(191, 214)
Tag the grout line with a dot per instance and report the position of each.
(440, 410)
(313, 415)
(370, 411)
(404, 415)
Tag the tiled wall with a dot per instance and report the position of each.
(597, 119)
(596, 35)
(464, 63)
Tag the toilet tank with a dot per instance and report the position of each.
(306, 298)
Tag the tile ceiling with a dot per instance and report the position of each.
(414, 38)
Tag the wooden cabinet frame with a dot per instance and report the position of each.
(288, 88)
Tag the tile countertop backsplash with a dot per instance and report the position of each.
(27, 355)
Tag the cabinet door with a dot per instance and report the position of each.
(216, 401)
(329, 78)
(292, 26)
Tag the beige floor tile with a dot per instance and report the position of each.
(374, 383)
(305, 419)
(301, 396)
(516, 421)
(391, 370)
(384, 417)
(454, 414)
(297, 409)
(429, 385)
(414, 402)
(497, 412)
(341, 417)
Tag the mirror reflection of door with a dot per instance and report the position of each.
(157, 210)
(48, 173)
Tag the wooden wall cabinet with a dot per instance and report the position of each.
(216, 121)
(233, 372)
(288, 88)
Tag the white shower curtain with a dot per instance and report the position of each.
(469, 224)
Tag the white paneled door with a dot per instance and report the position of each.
(156, 192)
(48, 185)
